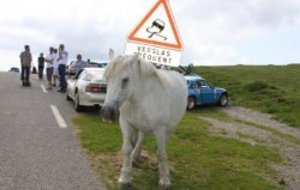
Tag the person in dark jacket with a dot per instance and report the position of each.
(41, 65)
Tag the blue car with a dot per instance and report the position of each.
(200, 92)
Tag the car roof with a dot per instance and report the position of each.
(193, 77)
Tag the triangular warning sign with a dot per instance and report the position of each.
(157, 28)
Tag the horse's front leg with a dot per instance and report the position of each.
(124, 179)
(164, 178)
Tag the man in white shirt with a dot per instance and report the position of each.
(62, 62)
(49, 68)
(55, 76)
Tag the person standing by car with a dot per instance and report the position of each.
(41, 65)
(25, 59)
(49, 67)
(79, 64)
(62, 62)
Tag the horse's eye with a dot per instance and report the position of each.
(125, 82)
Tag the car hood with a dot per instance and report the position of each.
(220, 89)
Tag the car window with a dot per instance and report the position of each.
(88, 76)
(201, 83)
(194, 85)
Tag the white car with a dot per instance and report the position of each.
(87, 88)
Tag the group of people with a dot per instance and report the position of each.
(56, 62)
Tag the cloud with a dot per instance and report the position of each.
(212, 30)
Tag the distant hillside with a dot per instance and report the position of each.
(271, 89)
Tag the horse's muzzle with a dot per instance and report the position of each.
(110, 113)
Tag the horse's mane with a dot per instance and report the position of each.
(113, 66)
(138, 65)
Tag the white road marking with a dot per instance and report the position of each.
(44, 89)
(59, 119)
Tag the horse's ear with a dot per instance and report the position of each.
(134, 59)
(141, 68)
(111, 54)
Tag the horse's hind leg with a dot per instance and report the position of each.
(124, 179)
(136, 153)
(164, 178)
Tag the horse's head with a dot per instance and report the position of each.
(123, 75)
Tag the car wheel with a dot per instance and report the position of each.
(78, 107)
(68, 96)
(191, 103)
(223, 101)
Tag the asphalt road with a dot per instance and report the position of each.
(36, 152)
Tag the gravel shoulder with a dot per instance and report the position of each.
(257, 128)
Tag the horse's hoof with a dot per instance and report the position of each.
(165, 184)
(124, 183)
(106, 120)
(165, 187)
(125, 186)
(136, 161)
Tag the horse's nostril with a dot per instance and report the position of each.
(108, 113)
(112, 114)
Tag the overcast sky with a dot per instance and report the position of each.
(214, 32)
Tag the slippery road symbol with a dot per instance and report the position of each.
(157, 27)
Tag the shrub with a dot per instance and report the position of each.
(256, 86)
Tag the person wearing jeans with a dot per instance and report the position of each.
(62, 62)
(25, 59)
(49, 68)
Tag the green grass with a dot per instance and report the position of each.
(270, 89)
(197, 159)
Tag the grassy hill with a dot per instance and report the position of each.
(270, 89)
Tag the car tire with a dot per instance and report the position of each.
(68, 98)
(191, 103)
(223, 101)
(78, 107)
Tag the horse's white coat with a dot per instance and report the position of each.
(150, 101)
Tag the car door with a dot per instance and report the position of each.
(195, 91)
(207, 93)
(73, 82)
(82, 81)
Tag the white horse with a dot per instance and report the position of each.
(145, 99)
